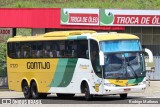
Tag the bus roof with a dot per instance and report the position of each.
(75, 34)
(67, 33)
(113, 36)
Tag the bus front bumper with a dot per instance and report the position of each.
(126, 89)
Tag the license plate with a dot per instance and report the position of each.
(127, 89)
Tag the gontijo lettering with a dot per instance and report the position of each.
(38, 65)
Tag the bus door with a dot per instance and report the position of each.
(97, 70)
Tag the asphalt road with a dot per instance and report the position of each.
(95, 100)
(78, 99)
(152, 93)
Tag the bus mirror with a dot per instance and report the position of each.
(149, 54)
(101, 58)
(149, 60)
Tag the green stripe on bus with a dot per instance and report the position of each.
(82, 37)
(135, 81)
(59, 73)
(72, 37)
(77, 37)
(69, 72)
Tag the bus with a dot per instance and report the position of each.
(76, 62)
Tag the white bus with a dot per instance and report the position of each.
(75, 62)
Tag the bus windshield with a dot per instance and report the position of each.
(124, 65)
(123, 59)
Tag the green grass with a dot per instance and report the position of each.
(112, 4)
(116, 4)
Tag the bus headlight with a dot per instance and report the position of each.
(109, 84)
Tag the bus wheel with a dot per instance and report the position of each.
(26, 90)
(123, 96)
(34, 91)
(88, 96)
(65, 95)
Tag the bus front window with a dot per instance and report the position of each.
(124, 65)
(123, 59)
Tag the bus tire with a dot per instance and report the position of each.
(65, 96)
(88, 96)
(26, 90)
(34, 91)
(123, 96)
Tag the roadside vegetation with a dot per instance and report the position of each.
(118, 4)
(3, 47)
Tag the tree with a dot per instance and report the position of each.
(3, 48)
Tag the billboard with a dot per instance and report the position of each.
(79, 16)
(110, 17)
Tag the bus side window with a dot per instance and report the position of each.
(45, 51)
(11, 50)
(55, 49)
(82, 48)
(39, 52)
(61, 52)
(48, 49)
(18, 50)
(26, 50)
(34, 49)
(94, 55)
(71, 48)
(19, 53)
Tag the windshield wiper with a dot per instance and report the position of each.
(128, 64)
(133, 69)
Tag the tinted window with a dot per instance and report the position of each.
(94, 53)
(49, 49)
